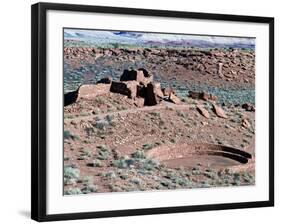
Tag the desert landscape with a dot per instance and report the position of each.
(147, 112)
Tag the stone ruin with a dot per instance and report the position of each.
(139, 83)
(133, 83)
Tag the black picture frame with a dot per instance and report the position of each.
(39, 122)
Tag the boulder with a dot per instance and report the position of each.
(205, 96)
(202, 96)
(203, 111)
(219, 111)
(195, 95)
(70, 97)
(174, 99)
(246, 123)
(106, 80)
(167, 91)
(220, 65)
(213, 97)
(249, 107)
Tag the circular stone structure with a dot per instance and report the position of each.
(188, 155)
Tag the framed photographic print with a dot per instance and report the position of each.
(140, 111)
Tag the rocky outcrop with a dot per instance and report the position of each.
(168, 91)
(249, 107)
(70, 97)
(174, 99)
(106, 80)
(202, 96)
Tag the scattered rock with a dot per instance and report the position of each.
(174, 99)
(70, 97)
(219, 111)
(203, 111)
(205, 96)
(106, 80)
(202, 96)
(220, 69)
(246, 123)
(249, 107)
(168, 91)
(213, 97)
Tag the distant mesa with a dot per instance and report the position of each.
(133, 83)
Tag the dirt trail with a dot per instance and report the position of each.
(135, 110)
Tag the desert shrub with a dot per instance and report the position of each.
(66, 134)
(102, 124)
(150, 164)
(173, 140)
(210, 175)
(120, 163)
(182, 182)
(155, 114)
(111, 174)
(70, 172)
(109, 118)
(236, 183)
(89, 131)
(123, 176)
(114, 187)
(166, 183)
(72, 191)
(103, 152)
(139, 154)
(85, 179)
(248, 178)
(136, 180)
(86, 152)
(196, 170)
(147, 146)
(103, 147)
(89, 188)
(96, 111)
(181, 114)
(236, 176)
(96, 163)
(102, 155)
(115, 45)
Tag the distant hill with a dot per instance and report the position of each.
(98, 37)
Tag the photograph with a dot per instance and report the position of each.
(152, 111)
